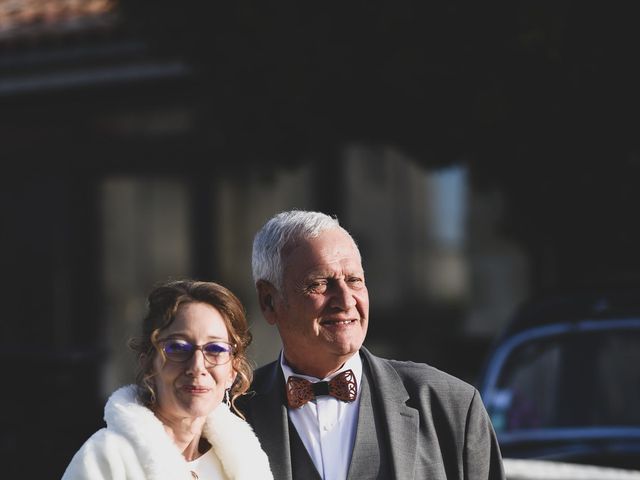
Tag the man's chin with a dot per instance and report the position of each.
(345, 346)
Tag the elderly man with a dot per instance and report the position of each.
(329, 409)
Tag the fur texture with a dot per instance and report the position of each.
(135, 446)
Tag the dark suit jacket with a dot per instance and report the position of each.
(436, 425)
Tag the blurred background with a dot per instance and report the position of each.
(481, 155)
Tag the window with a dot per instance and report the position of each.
(578, 379)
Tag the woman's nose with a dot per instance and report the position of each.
(197, 364)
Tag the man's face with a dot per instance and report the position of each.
(323, 311)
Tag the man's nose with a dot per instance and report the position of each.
(343, 296)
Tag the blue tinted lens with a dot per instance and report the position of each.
(178, 348)
(215, 348)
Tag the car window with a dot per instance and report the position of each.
(579, 379)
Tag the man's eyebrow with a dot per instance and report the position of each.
(332, 274)
(318, 274)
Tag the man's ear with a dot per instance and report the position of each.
(266, 298)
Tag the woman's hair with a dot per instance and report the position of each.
(280, 231)
(163, 304)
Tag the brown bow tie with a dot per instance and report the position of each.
(343, 387)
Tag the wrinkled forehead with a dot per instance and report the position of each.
(330, 246)
(337, 234)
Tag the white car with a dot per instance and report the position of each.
(519, 469)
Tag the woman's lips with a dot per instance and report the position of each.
(195, 389)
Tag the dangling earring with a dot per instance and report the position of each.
(227, 401)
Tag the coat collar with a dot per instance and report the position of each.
(231, 438)
(401, 420)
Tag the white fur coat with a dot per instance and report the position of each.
(135, 446)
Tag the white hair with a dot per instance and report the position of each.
(281, 230)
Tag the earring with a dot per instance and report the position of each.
(227, 401)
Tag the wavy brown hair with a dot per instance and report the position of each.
(163, 304)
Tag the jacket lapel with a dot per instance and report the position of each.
(273, 429)
(368, 459)
(402, 421)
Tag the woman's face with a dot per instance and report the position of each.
(193, 388)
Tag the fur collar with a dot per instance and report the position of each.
(231, 438)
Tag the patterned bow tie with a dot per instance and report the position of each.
(343, 387)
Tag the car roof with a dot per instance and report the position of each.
(575, 306)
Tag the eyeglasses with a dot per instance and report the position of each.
(180, 351)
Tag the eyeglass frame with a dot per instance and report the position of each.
(161, 343)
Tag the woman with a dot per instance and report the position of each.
(176, 423)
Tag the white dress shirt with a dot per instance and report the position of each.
(327, 426)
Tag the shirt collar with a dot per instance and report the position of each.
(354, 363)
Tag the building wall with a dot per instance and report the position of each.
(434, 260)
